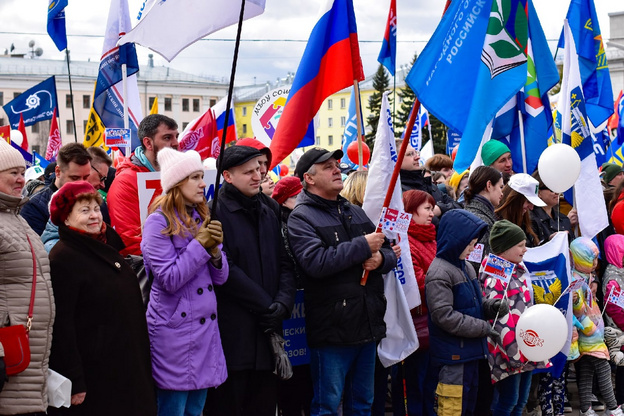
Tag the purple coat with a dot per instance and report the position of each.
(182, 311)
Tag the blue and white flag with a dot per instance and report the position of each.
(35, 104)
(350, 131)
(28, 157)
(387, 55)
(478, 53)
(420, 123)
(549, 267)
(401, 339)
(56, 23)
(602, 143)
(572, 127)
(452, 139)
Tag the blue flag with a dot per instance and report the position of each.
(592, 59)
(387, 55)
(421, 121)
(620, 126)
(601, 147)
(478, 53)
(28, 158)
(56, 23)
(40, 160)
(350, 132)
(452, 139)
(35, 104)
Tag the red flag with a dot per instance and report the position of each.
(54, 140)
(22, 129)
(614, 120)
(201, 135)
(5, 133)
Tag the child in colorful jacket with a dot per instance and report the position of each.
(594, 353)
(511, 370)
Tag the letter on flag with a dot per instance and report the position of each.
(572, 128)
(201, 135)
(478, 51)
(54, 140)
(401, 339)
(56, 23)
(387, 55)
(330, 62)
(350, 131)
(35, 104)
(168, 27)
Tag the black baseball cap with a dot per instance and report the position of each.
(314, 156)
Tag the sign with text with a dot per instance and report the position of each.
(295, 333)
(499, 267)
(117, 137)
(394, 220)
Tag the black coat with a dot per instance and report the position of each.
(260, 274)
(327, 239)
(415, 179)
(100, 339)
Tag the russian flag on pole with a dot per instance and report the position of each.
(219, 113)
(330, 62)
(387, 55)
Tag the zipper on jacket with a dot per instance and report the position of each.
(344, 303)
(336, 234)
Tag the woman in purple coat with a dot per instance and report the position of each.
(182, 251)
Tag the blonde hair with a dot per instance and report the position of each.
(354, 187)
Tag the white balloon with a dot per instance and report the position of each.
(559, 167)
(17, 137)
(541, 332)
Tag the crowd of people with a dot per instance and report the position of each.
(222, 278)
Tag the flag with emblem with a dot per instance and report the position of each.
(56, 23)
(572, 127)
(5, 133)
(94, 132)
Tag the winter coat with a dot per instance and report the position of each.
(182, 311)
(613, 279)
(422, 245)
(24, 392)
(457, 328)
(545, 226)
(504, 357)
(484, 210)
(100, 334)
(586, 310)
(260, 274)
(415, 179)
(327, 238)
(35, 211)
(123, 204)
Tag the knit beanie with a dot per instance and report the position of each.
(584, 252)
(285, 188)
(609, 171)
(176, 166)
(10, 157)
(504, 235)
(492, 150)
(63, 200)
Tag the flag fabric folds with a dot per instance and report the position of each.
(168, 27)
(387, 55)
(219, 113)
(154, 109)
(54, 140)
(401, 339)
(22, 129)
(549, 266)
(108, 100)
(56, 23)
(572, 128)
(420, 123)
(34, 105)
(478, 51)
(350, 132)
(94, 131)
(5, 133)
(620, 117)
(592, 59)
(330, 62)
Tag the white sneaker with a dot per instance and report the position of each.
(615, 412)
(589, 412)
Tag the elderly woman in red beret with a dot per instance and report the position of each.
(100, 339)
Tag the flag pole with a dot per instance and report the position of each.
(124, 83)
(358, 117)
(227, 110)
(71, 95)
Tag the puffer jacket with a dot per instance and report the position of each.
(327, 239)
(24, 392)
(613, 279)
(35, 211)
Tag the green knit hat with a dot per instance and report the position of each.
(492, 150)
(504, 235)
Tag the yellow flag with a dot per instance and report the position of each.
(154, 109)
(94, 134)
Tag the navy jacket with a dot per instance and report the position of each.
(36, 212)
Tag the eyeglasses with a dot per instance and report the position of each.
(102, 177)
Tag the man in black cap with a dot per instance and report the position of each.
(334, 242)
(259, 292)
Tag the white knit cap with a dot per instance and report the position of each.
(176, 166)
(10, 157)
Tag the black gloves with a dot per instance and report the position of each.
(3, 375)
(271, 320)
(492, 333)
(492, 307)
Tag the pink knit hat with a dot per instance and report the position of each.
(176, 166)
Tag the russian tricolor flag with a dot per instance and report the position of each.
(387, 55)
(219, 112)
(330, 62)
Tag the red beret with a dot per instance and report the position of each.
(285, 188)
(63, 200)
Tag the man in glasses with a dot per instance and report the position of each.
(100, 163)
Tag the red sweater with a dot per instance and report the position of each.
(423, 250)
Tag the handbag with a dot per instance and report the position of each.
(14, 338)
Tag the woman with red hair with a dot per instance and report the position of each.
(420, 382)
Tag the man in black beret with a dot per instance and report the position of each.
(259, 292)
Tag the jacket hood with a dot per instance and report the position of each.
(614, 248)
(457, 228)
(132, 163)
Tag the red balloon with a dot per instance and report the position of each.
(352, 153)
(283, 170)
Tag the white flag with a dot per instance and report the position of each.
(401, 339)
(169, 26)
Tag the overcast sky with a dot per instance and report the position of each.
(285, 21)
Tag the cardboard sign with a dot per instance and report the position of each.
(394, 220)
(476, 256)
(499, 268)
(117, 137)
(296, 345)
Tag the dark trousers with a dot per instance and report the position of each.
(244, 393)
(485, 393)
(295, 395)
(420, 385)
